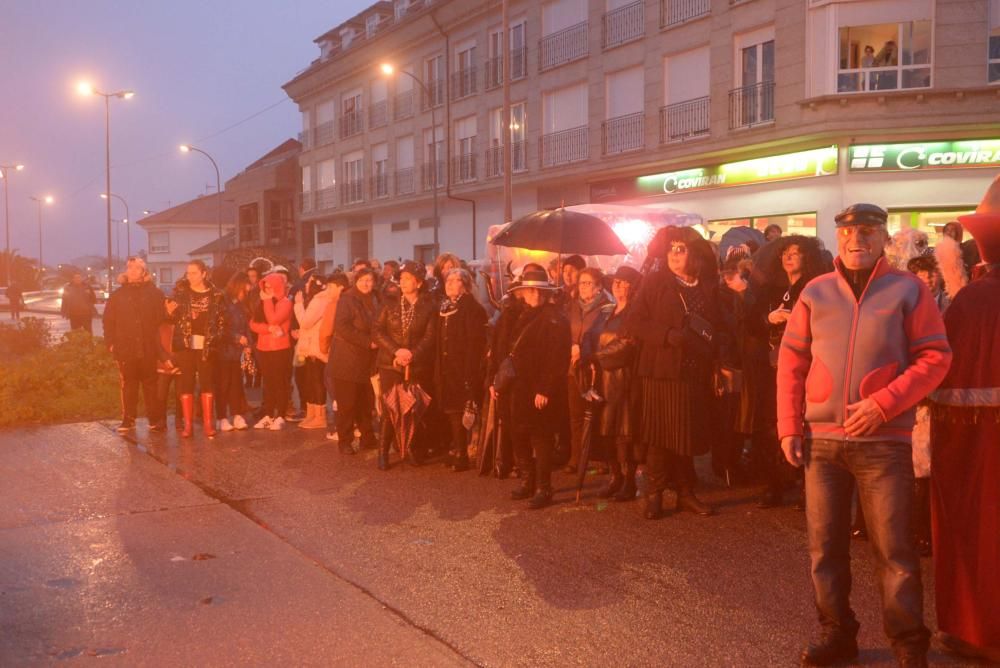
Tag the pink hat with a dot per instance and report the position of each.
(984, 224)
(276, 282)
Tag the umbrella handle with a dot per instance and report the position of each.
(406, 374)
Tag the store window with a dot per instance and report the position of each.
(792, 223)
(931, 221)
(885, 56)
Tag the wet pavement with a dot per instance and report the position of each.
(259, 546)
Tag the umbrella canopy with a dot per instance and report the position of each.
(739, 235)
(405, 403)
(562, 231)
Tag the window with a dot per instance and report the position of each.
(350, 118)
(371, 25)
(518, 51)
(159, 242)
(564, 33)
(885, 56)
(792, 223)
(306, 196)
(930, 221)
(433, 158)
(401, 226)
(494, 154)
(304, 134)
(249, 232)
(324, 236)
(401, 7)
(404, 183)
(564, 126)
(324, 132)
(378, 113)
(464, 78)
(425, 253)
(623, 129)
(166, 276)
(279, 223)
(993, 68)
(353, 178)
(752, 103)
(434, 81)
(326, 193)
(685, 112)
(464, 167)
(380, 170)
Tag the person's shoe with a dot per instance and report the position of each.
(654, 506)
(345, 448)
(187, 408)
(277, 424)
(614, 485)
(315, 417)
(460, 464)
(263, 423)
(525, 490)
(239, 423)
(332, 436)
(686, 500)
(541, 499)
(910, 657)
(128, 424)
(833, 647)
(225, 425)
(770, 499)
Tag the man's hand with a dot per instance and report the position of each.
(792, 447)
(541, 401)
(778, 316)
(864, 418)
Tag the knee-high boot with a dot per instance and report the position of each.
(187, 410)
(384, 442)
(207, 417)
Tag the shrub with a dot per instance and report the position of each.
(23, 337)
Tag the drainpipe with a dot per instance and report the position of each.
(447, 130)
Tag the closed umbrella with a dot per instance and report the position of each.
(405, 403)
(562, 231)
(592, 402)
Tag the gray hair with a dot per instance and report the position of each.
(462, 274)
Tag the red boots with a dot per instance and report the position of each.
(207, 406)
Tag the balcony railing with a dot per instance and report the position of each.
(559, 148)
(305, 138)
(326, 198)
(324, 133)
(563, 47)
(751, 105)
(868, 79)
(402, 105)
(306, 202)
(352, 192)
(378, 114)
(624, 133)
(494, 68)
(623, 25)
(518, 159)
(684, 120)
(463, 83)
(518, 63)
(351, 123)
(428, 172)
(434, 97)
(463, 168)
(674, 12)
(493, 73)
(404, 181)
(378, 186)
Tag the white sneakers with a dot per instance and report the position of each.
(225, 425)
(264, 423)
(277, 424)
(239, 423)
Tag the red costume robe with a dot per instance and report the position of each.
(965, 478)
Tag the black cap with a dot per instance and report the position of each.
(627, 274)
(861, 214)
(415, 269)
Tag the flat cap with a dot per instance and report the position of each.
(861, 214)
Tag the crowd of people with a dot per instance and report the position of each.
(767, 358)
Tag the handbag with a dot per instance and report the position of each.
(702, 327)
(507, 372)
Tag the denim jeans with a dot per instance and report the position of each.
(883, 472)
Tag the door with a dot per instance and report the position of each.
(757, 82)
(359, 245)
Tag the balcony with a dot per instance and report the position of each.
(565, 146)
(518, 68)
(324, 133)
(463, 168)
(675, 12)
(871, 79)
(518, 159)
(434, 97)
(623, 134)
(563, 47)
(402, 105)
(351, 123)
(428, 172)
(378, 186)
(326, 198)
(305, 138)
(463, 83)
(352, 192)
(685, 120)
(403, 181)
(751, 105)
(623, 25)
(378, 114)
(305, 202)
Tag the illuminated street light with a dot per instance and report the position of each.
(48, 199)
(5, 175)
(128, 233)
(86, 88)
(187, 148)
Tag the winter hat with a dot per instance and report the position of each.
(276, 282)
(861, 214)
(984, 224)
(415, 269)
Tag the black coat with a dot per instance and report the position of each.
(215, 319)
(351, 354)
(419, 339)
(78, 300)
(613, 356)
(461, 347)
(541, 362)
(132, 319)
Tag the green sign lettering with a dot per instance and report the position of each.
(926, 155)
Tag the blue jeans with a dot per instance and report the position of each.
(883, 472)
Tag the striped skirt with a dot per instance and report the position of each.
(674, 416)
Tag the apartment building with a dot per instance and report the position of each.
(746, 112)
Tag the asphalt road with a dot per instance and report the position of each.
(260, 547)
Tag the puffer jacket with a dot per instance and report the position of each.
(132, 320)
(889, 345)
(216, 318)
(310, 320)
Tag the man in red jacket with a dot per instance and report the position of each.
(863, 345)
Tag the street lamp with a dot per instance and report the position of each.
(128, 233)
(48, 199)
(388, 70)
(187, 148)
(85, 88)
(5, 175)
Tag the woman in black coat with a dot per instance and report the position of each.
(461, 346)
(539, 346)
(352, 353)
(678, 324)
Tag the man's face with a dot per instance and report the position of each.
(860, 246)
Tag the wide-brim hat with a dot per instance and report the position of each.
(984, 224)
(532, 278)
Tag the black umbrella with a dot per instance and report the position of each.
(562, 231)
(592, 402)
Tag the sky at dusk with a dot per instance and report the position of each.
(197, 67)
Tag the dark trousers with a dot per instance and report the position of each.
(354, 407)
(229, 397)
(883, 472)
(194, 366)
(84, 322)
(576, 406)
(309, 378)
(667, 468)
(301, 375)
(134, 374)
(276, 371)
(533, 451)
(459, 435)
(163, 382)
(774, 467)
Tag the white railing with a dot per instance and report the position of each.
(624, 24)
(563, 47)
(895, 77)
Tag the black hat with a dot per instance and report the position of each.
(575, 261)
(415, 269)
(532, 278)
(861, 214)
(627, 274)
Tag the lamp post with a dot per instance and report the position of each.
(128, 232)
(85, 88)
(5, 175)
(389, 70)
(187, 148)
(39, 201)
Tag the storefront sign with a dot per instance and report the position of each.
(927, 155)
(804, 164)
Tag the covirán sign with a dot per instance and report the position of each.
(926, 155)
